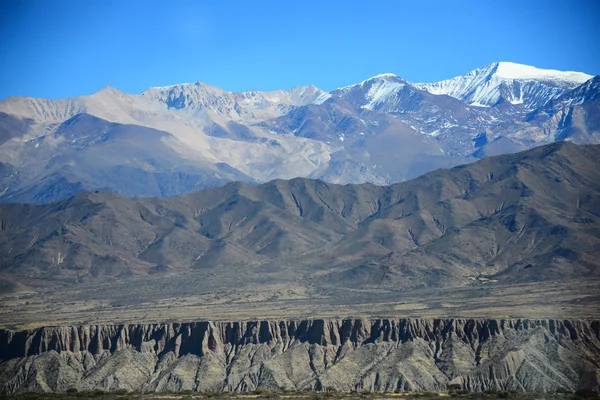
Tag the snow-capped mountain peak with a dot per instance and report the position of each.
(510, 70)
(386, 75)
(507, 81)
(373, 92)
(380, 91)
(381, 77)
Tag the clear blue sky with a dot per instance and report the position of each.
(59, 49)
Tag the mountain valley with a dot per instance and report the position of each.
(385, 236)
(505, 222)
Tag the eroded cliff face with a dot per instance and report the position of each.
(375, 354)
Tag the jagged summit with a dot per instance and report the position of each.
(252, 104)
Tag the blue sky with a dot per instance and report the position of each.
(58, 49)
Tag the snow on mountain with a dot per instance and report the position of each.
(373, 93)
(381, 89)
(382, 129)
(510, 70)
(505, 81)
(586, 92)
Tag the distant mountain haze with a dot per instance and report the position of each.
(178, 139)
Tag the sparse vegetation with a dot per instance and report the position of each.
(264, 393)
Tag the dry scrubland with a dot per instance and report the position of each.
(150, 300)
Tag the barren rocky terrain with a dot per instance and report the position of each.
(482, 277)
(509, 236)
(341, 355)
(528, 217)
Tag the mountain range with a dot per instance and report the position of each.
(177, 139)
(190, 239)
(521, 218)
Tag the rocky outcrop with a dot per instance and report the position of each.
(375, 354)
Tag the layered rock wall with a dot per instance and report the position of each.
(375, 354)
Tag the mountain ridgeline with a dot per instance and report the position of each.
(182, 138)
(525, 217)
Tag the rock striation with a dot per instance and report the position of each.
(349, 354)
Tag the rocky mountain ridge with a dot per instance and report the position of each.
(251, 106)
(351, 354)
(530, 216)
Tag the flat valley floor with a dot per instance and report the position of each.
(206, 295)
